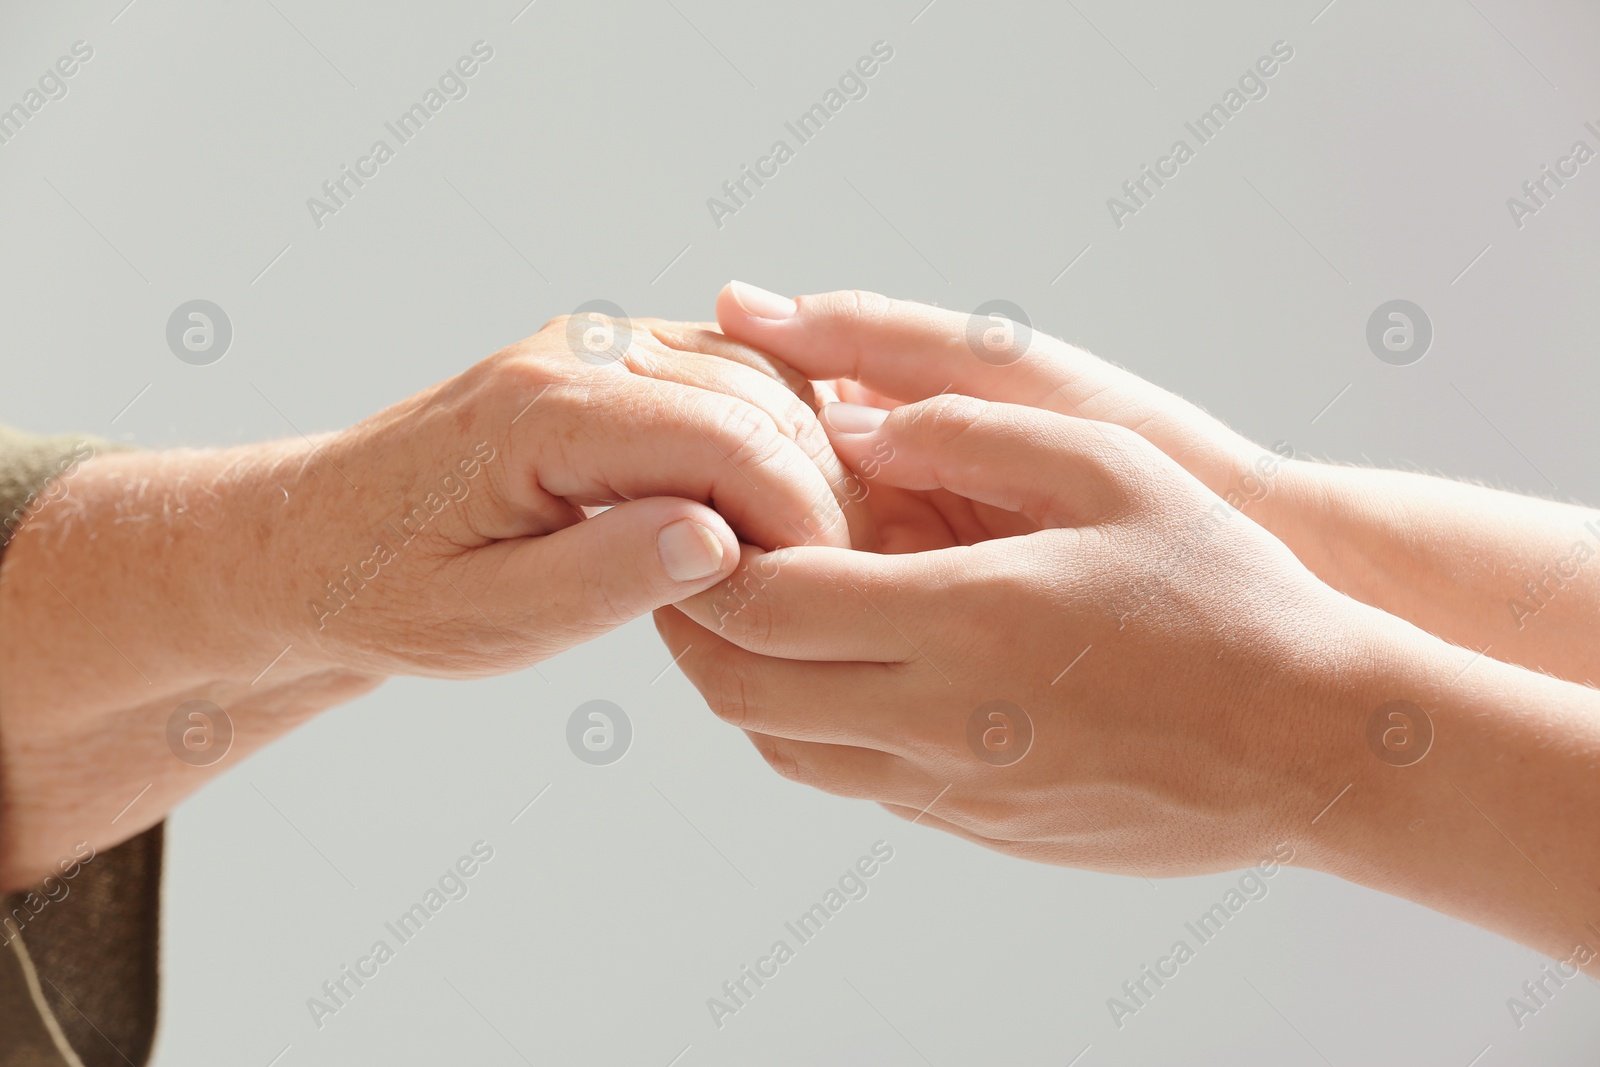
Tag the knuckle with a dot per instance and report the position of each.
(944, 419)
(744, 616)
(812, 439)
(1121, 440)
(525, 369)
(641, 361)
(1124, 459)
(514, 374)
(856, 307)
(728, 694)
(747, 436)
(612, 604)
(802, 422)
(776, 752)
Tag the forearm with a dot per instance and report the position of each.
(1515, 577)
(149, 576)
(146, 583)
(1493, 822)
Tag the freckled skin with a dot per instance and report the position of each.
(280, 579)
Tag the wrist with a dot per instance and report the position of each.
(1306, 505)
(1380, 680)
(315, 519)
(1445, 765)
(229, 568)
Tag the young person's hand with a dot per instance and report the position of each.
(881, 352)
(1180, 669)
(1148, 683)
(1514, 576)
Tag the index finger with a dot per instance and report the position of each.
(620, 436)
(712, 362)
(903, 349)
(708, 339)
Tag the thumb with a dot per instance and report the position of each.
(625, 562)
(1055, 469)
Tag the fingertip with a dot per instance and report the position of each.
(825, 393)
(853, 420)
(697, 549)
(860, 436)
(742, 308)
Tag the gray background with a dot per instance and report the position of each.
(1377, 168)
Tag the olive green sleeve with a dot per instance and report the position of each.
(78, 953)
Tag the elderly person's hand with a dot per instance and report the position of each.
(453, 534)
(689, 451)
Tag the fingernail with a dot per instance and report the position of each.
(688, 550)
(758, 303)
(853, 418)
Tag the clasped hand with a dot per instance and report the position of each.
(1058, 579)
(1074, 646)
(987, 580)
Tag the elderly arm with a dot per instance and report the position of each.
(448, 535)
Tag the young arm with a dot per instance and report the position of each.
(1150, 685)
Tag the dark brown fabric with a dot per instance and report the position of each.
(25, 1039)
(78, 973)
